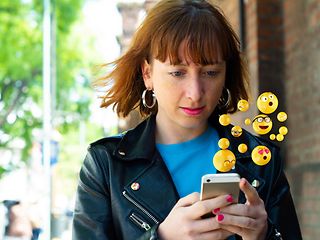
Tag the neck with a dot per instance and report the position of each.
(167, 135)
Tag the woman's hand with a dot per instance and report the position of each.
(185, 222)
(248, 220)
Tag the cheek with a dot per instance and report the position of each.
(214, 92)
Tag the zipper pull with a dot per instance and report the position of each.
(140, 222)
(146, 226)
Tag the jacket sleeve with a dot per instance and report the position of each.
(282, 217)
(92, 218)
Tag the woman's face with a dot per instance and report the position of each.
(186, 93)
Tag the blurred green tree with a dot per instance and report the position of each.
(21, 70)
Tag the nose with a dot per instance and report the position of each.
(194, 89)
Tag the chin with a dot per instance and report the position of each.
(193, 123)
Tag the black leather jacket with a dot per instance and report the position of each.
(109, 207)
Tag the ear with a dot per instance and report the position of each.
(146, 74)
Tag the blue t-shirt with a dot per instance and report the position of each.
(188, 161)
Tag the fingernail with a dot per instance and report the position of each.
(244, 182)
(215, 211)
(229, 198)
(220, 217)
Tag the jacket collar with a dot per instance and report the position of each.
(139, 143)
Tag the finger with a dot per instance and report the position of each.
(203, 207)
(188, 200)
(238, 221)
(217, 234)
(250, 192)
(233, 229)
(205, 225)
(239, 210)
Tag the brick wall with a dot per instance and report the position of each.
(282, 48)
(302, 85)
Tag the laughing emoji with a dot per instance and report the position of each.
(243, 105)
(236, 131)
(224, 160)
(261, 155)
(262, 124)
(267, 102)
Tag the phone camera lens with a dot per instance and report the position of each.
(208, 180)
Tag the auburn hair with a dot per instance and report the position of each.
(209, 39)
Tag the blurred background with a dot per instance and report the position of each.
(49, 113)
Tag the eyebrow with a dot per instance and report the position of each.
(186, 65)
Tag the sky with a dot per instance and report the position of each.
(104, 22)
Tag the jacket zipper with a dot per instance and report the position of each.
(140, 222)
(130, 199)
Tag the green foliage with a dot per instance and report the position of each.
(73, 151)
(21, 70)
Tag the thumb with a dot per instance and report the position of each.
(250, 192)
(188, 200)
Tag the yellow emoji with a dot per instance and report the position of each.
(236, 131)
(283, 130)
(282, 116)
(223, 143)
(261, 155)
(262, 124)
(272, 136)
(280, 137)
(242, 148)
(243, 105)
(224, 119)
(267, 102)
(224, 160)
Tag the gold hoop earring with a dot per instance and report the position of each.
(143, 97)
(224, 101)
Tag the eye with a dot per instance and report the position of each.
(270, 96)
(177, 73)
(226, 163)
(260, 119)
(212, 73)
(264, 99)
(267, 119)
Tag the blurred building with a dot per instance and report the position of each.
(281, 42)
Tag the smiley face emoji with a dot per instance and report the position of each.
(262, 124)
(267, 102)
(261, 155)
(224, 119)
(224, 160)
(243, 105)
(282, 116)
(236, 131)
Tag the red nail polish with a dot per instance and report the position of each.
(229, 198)
(215, 211)
(244, 182)
(220, 217)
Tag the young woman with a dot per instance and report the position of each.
(182, 71)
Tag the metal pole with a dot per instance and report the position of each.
(47, 116)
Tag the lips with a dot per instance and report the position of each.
(263, 127)
(193, 111)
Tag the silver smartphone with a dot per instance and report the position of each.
(213, 185)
